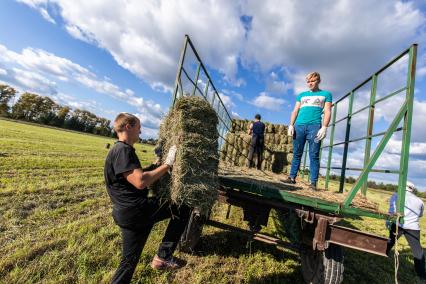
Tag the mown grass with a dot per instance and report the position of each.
(56, 224)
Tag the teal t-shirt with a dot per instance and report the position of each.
(311, 106)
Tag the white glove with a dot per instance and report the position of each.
(322, 133)
(290, 131)
(171, 155)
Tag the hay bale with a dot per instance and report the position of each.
(192, 126)
(289, 158)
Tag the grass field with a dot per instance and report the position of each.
(56, 224)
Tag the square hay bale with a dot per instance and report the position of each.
(192, 126)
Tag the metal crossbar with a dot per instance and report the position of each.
(404, 115)
(210, 94)
(225, 120)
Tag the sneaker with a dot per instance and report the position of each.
(162, 264)
(313, 186)
(289, 180)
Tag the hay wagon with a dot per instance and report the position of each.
(305, 217)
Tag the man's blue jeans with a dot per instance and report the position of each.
(303, 133)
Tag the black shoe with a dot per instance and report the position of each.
(313, 186)
(254, 228)
(289, 180)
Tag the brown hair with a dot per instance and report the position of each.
(122, 119)
(313, 75)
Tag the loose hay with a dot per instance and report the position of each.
(272, 180)
(192, 126)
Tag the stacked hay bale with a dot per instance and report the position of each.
(278, 146)
(192, 126)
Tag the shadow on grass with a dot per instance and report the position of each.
(279, 278)
(361, 267)
(233, 244)
(225, 243)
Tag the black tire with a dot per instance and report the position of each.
(322, 267)
(192, 234)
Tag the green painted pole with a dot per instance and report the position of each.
(346, 147)
(206, 89)
(330, 150)
(370, 124)
(197, 74)
(379, 149)
(181, 60)
(406, 132)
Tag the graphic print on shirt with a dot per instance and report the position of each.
(314, 101)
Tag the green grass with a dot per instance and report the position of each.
(56, 224)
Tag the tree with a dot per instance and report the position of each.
(6, 94)
(61, 116)
(32, 107)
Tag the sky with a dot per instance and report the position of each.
(113, 56)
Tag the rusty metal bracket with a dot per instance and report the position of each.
(319, 241)
(358, 240)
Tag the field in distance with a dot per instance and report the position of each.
(56, 224)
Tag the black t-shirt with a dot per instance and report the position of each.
(122, 158)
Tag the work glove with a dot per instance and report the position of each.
(171, 156)
(290, 131)
(321, 133)
(388, 225)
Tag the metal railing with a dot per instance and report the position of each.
(197, 86)
(202, 85)
(404, 114)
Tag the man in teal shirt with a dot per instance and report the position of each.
(308, 124)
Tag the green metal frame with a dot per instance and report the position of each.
(404, 114)
(225, 120)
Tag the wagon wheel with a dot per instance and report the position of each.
(192, 233)
(322, 267)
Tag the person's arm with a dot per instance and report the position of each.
(392, 203)
(250, 131)
(327, 114)
(140, 179)
(294, 113)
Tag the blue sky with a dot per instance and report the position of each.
(113, 56)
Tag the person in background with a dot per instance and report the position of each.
(257, 131)
(413, 210)
(307, 124)
(133, 211)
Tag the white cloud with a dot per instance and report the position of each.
(235, 115)
(145, 37)
(75, 32)
(46, 16)
(268, 102)
(234, 94)
(40, 6)
(3, 72)
(37, 71)
(227, 101)
(345, 41)
(275, 85)
(71, 101)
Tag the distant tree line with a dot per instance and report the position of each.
(35, 108)
(150, 141)
(378, 185)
